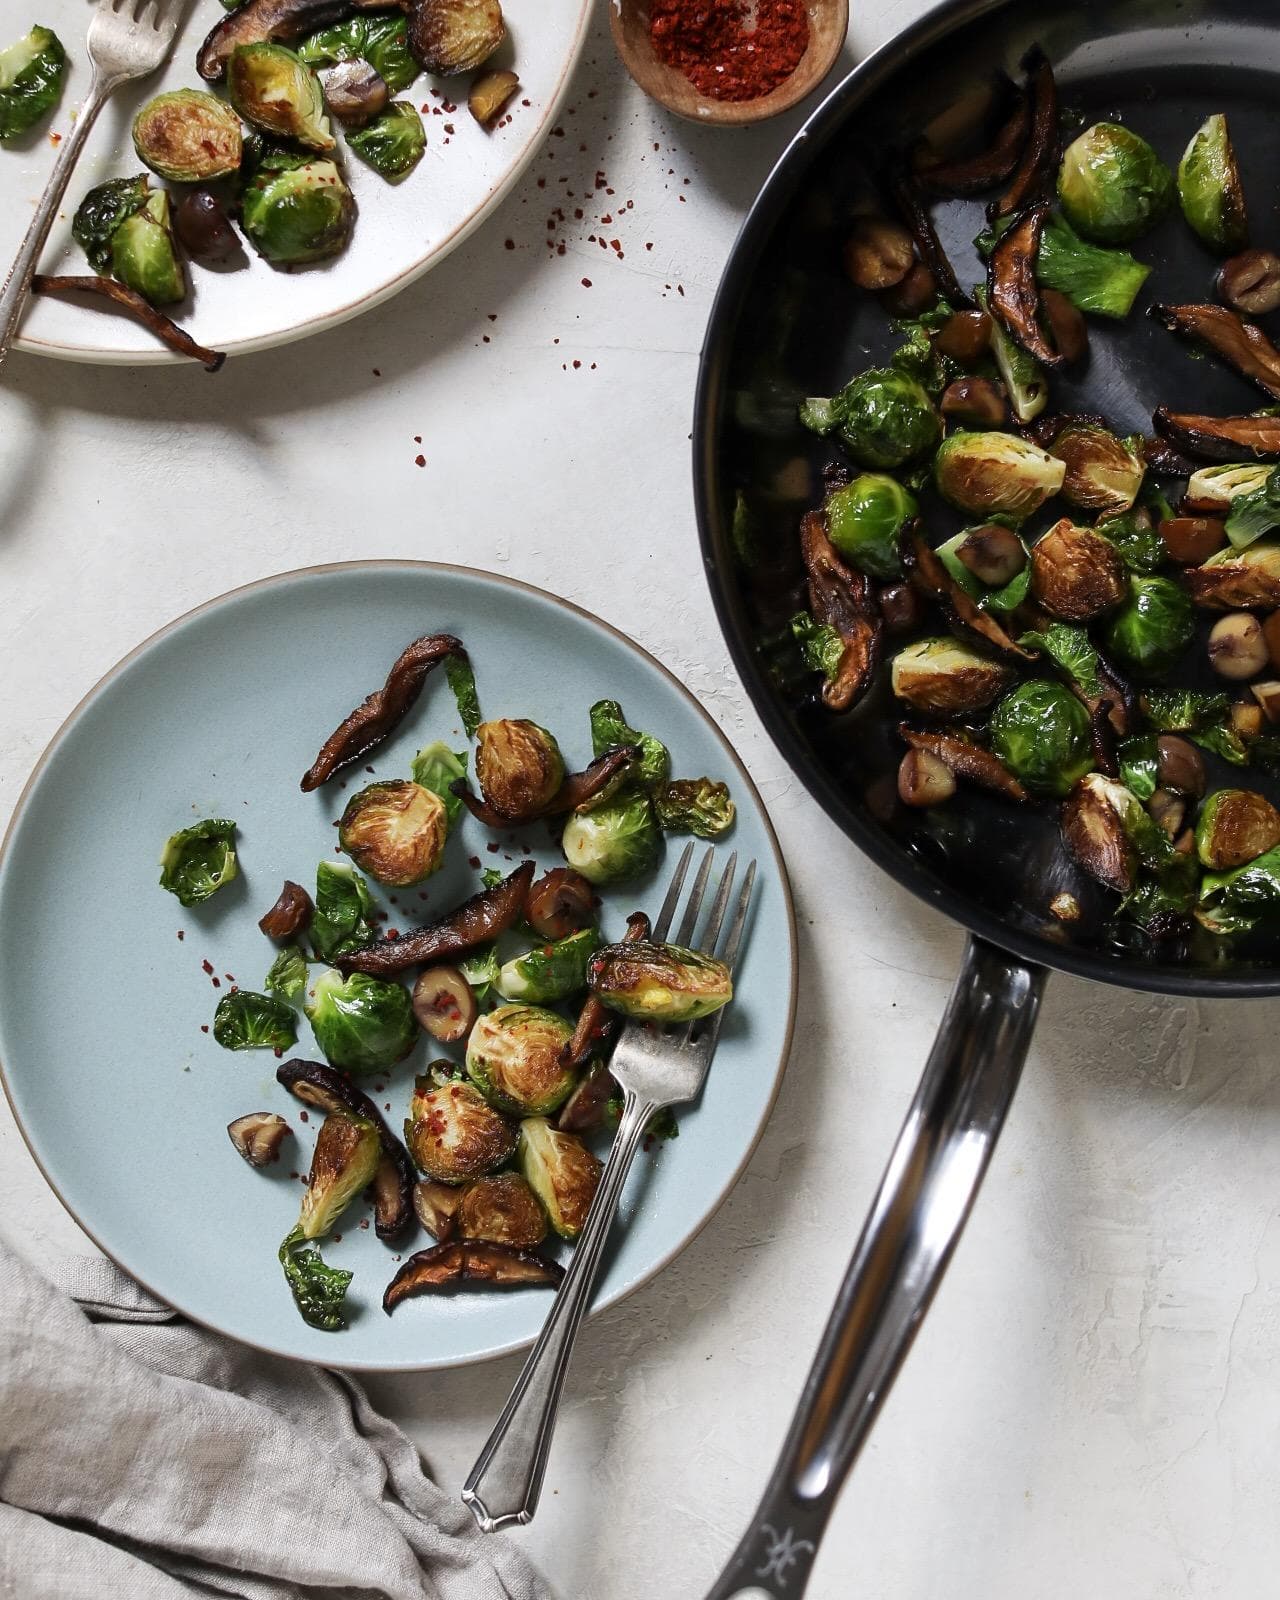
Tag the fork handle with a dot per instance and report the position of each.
(17, 285)
(504, 1485)
(921, 1207)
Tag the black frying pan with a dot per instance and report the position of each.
(785, 324)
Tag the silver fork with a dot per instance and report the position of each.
(127, 39)
(655, 1068)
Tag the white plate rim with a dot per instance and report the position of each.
(744, 780)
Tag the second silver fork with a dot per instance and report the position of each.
(655, 1068)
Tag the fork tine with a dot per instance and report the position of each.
(690, 919)
(673, 894)
(716, 915)
(707, 1040)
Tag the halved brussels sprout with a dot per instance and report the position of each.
(198, 861)
(188, 136)
(1239, 579)
(1210, 190)
(549, 971)
(886, 418)
(695, 805)
(102, 211)
(345, 1159)
(1152, 628)
(513, 1058)
(393, 143)
(501, 1209)
(864, 519)
(1041, 733)
(450, 36)
(248, 1021)
(518, 766)
(1094, 832)
(1104, 473)
(297, 214)
(1112, 184)
(1235, 827)
(614, 842)
(123, 227)
(996, 474)
(361, 1023)
(1213, 490)
(945, 678)
(1243, 900)
(31, 74)
(395, 831)
(453, 1133)
(275, 90)
(658, 982)
(561, 1171)
(1075, 574)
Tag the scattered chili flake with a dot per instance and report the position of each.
(304, 1116)
(586, 283)
(510, 244)
(419, 461)
(216, 982)
(181, 934)
(229, 976)
(204, 1027)
(207, 966)
(474, 862)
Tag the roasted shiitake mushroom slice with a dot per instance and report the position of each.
(449, 1266)
(258, 1136)
(561, 902)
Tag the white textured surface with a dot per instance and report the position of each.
(1091, 1407)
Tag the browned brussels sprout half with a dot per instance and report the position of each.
(501, 1209)
(447, 1266)
(514, 1059)
(453, 1133)
(258, 1136)
(659, 982)
(276, 91)
(945, 678)
(298, 213)
(188, 136)
(1104, 473)
(1093, 830)
(518, 766)
(395, 831)
(561, 1171)
(1236, 826)
(991, 474)
(342, 1166)
(450, 36)
(1076, 574)
(1210, 190)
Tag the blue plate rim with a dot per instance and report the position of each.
(744, 779)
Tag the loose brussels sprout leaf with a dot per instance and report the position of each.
(480, 968)
(436, 767)
(990, 474)
(1256, 513)
(144, 256)
(818, 414)
(513, 1058)
(659, 982)
(298, 214)
(1235, 827)
(393, 143)
(609, 728)
(1137, 761)
(1008, 597)
(1243, 900)
(319, 1291)
(1104, 473)
(453, 1133)
(1103, 282)
(340, 921)
(188, 136)
(1135, 539)
(462, 681)
(197, 861)
(1224, 741)
(615, 842)
(361, 1023)
(945, 678)
(1152, 628)
(1213, 490)
(518, 766)
(491, 877)
(1112, 184)
(276, 91)
(502, 1209)
(380, 40)
(248, 1021)
(395, 831)
(886, 418)
(561, 1171)
(921, 359)
(102, 211)
(1041, 733)
(864, 519)
(288, 975)
(1210, 190)
(821, 646)
(1070, 648)
(31, 74)
(345, 1159)
(1024, 378)
(1183, 710)
(695, 805)
(549, 971)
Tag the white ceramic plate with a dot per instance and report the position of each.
(402, 229)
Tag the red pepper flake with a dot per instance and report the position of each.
(229, 976)
(364, 1222)
(649, 245)
(393, 933)
(474, 862)
(216, 982)
(493, 847)
(337, 1238)
(419, 461)
(204, 1027)
(509, 244)
(493, 316)
(181, 934)
(417, 439)
(304, 1116)
(377, 372)
(586, 283)
(576, 365)
(207, 967)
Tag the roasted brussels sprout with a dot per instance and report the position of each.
(276, 91)
(1094, 279)
(658, 982)
(319, 1291)
(31, 74)
(258, 1136)
(453, 1133)
(1210, 190)
(188, 136)
(1239, 579)
(144, 256)
(1104, 473)
(395, 831)
(101, 213)
(549, 971)
(1214, 490)
(444, 1003)
(1112, 184)
(1136, 539)
(695, 805)
(450, 36)
(501, 1209)
(1235, 827)
(514, 1059)
(438, 768)
(864, 519)
(1040, 731)
(945, 678)
(1256, 513)
(1243, 900)
(248, 1021)
(996, 474)
(610, 731)
(382, 41)
(615, 842)
(362, 1024)
(1075, 574)
(886, 419)
(1094, 829)
(297, 214)
(518, 766)
(393, 143)
(1152, 628)
(342, 1166)
(288, 975)
(561, 1171)
(198, 861)
(340, 917)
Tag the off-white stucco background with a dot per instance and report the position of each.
(1093, 1406)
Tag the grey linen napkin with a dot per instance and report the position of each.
(141, 1456)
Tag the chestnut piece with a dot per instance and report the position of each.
(1069, 331)
(923, 780)
(965, 337)
(1246, 719)
(444, 1004)
(975, 403)
(1237, 648)
(1190, 541)
(1179, 765)
(1267, 695)
(1168, 810)
(900, 607)
(993, 554)
(1271, 633)
(202, 226)
(916, 293)
(1250, 282)
(878, 253)
(291, 913)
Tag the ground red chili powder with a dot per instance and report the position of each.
(730, 49)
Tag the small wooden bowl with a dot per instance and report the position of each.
(629, 20)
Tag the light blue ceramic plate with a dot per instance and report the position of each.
(122, 1098)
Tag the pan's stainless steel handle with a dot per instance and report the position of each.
(921, 1207)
